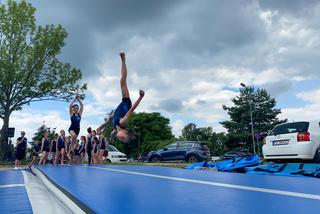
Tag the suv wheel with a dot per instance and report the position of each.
(155, 159)
(193, 159)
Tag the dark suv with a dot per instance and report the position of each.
(189, 151)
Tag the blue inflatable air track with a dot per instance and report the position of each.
(13, 195)
(148, 189)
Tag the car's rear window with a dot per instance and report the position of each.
(290, 128)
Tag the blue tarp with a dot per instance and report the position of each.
(251, 165)
(229, 165)
(289, 169)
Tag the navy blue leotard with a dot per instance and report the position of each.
(121, 111)
(75, 123)
(61, 144)
(36, 149)
(46, 145)
(54, 146)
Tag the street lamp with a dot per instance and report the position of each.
(252, 132)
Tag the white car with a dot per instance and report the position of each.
(297, 140)
(114, 155)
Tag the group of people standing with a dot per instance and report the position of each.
(63, 150)
(95, 145)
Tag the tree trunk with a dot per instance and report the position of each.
(4, 136)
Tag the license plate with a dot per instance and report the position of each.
(280, 142)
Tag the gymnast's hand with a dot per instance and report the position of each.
(141, 92)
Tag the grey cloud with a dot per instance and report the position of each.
(214, 26)
(202, 28)
(293, 7)
(84, 19)
(171, 105)
(280, 87)
(201, 102)
(203, 34)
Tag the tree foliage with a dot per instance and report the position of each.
(264, 112)
(29, 68)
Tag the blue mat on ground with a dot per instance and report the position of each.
(141, 189)
(230, 165)
(13, 195)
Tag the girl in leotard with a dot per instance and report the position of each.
(83, 150)
(61, 147)
(102, 146)
(70, 149)
(125, 108)
(45, 149)
(88, 145)
(36, 151)
(75, 117)
(53, 147)
(95, 150)
(77, 151)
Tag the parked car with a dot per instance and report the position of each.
(235, 154)
(114, 155)
(189, 151)
(298, 140)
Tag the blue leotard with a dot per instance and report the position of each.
(121, 111)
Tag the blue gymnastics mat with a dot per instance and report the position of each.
(13, 195)
(151, 189)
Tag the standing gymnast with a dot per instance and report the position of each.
(82, 148)
(102, 146)
(45, 148)
(77, 153)
(88, 145)
(125, 108)
(75, 116)
(36, 150)
(70, 149)
(53, 146)
(95, 150)
(61, 147)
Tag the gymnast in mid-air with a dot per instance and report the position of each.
(75, 117)
(125, 109)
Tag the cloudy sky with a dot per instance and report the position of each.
(189, 56)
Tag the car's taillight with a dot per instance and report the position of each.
(264, 141)
(303, 136)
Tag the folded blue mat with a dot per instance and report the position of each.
(289, 169)
(229, 165)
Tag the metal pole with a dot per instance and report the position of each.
(252, 132)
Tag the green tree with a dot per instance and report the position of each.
(29, 68)
(217, 143)
(265, 117)
(190, 132)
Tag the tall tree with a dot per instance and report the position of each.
(264, 112)
(29, 68)
(190, 132)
